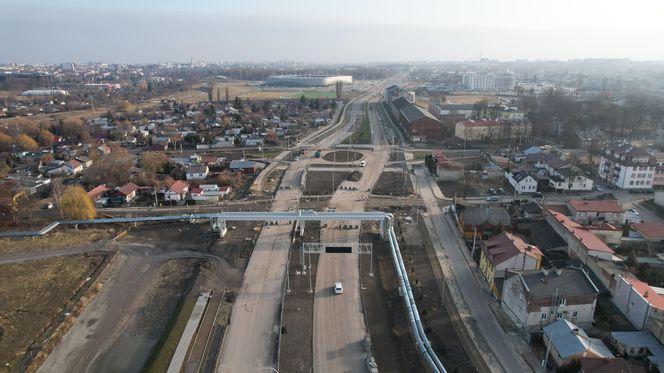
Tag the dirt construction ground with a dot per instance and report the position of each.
(321, 182)
(157, 266)
(394, 184)
(414, 240)
(34, 296)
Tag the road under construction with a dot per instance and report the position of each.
(427, 354)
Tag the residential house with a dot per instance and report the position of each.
(104, 150)
(593, 140)
(483, 221)
(602, 211)
(533, 150)
(210, 191)
(639, 344)
(566, 342)
(197, 172)
(200, 194)
(158, 147)
(636, 300)
(650, 231)
(506, 251)
(521, 181)
(127, 191)
(564, 176)
(253, 141)
(532, 299)
(531, 210)
(246, 167)
(627, 167)
(98, 192)
(85, 161)
(610, 234)
(489, 130)
(581, 243)
(73, 167)
(177, 191)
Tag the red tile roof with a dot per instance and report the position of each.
(647, 292)
(506, 245)
(74, 163)
(196, 190)
(587, 238)
(649, 229)
(97, 191)
(179, 186)
(128, 188)
(595, 206)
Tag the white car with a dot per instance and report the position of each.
(338, 288)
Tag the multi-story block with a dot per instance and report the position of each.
(627, 167)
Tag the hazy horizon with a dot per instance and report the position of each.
(123, 31)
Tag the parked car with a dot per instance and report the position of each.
(492, 191)
(633, 211)
(501, 191)
(599, 188)
(538, 195)
(338, 288)
(493, 199)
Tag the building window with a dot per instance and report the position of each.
(544, 316)
(574, 314)
(631, 182)
(559, 315)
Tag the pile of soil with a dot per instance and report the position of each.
(354, 176)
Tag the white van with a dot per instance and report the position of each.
(338, 288)
(363, 163)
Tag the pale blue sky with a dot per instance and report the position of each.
(39, 31)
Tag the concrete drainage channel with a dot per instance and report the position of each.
(427, 354)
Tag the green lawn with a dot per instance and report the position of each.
(362, 134)
(315, 94)
(255, 154)
(419, 156)
(163, 353)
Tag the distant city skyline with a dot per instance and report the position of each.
(123, 31)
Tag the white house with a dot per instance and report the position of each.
(199, 194)
(627, 167)
(588, 212)
(521, 181)
(636, 300)
(567, 342)
(197, 172)
(537, 298)
(177, 191)
(564, 176)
